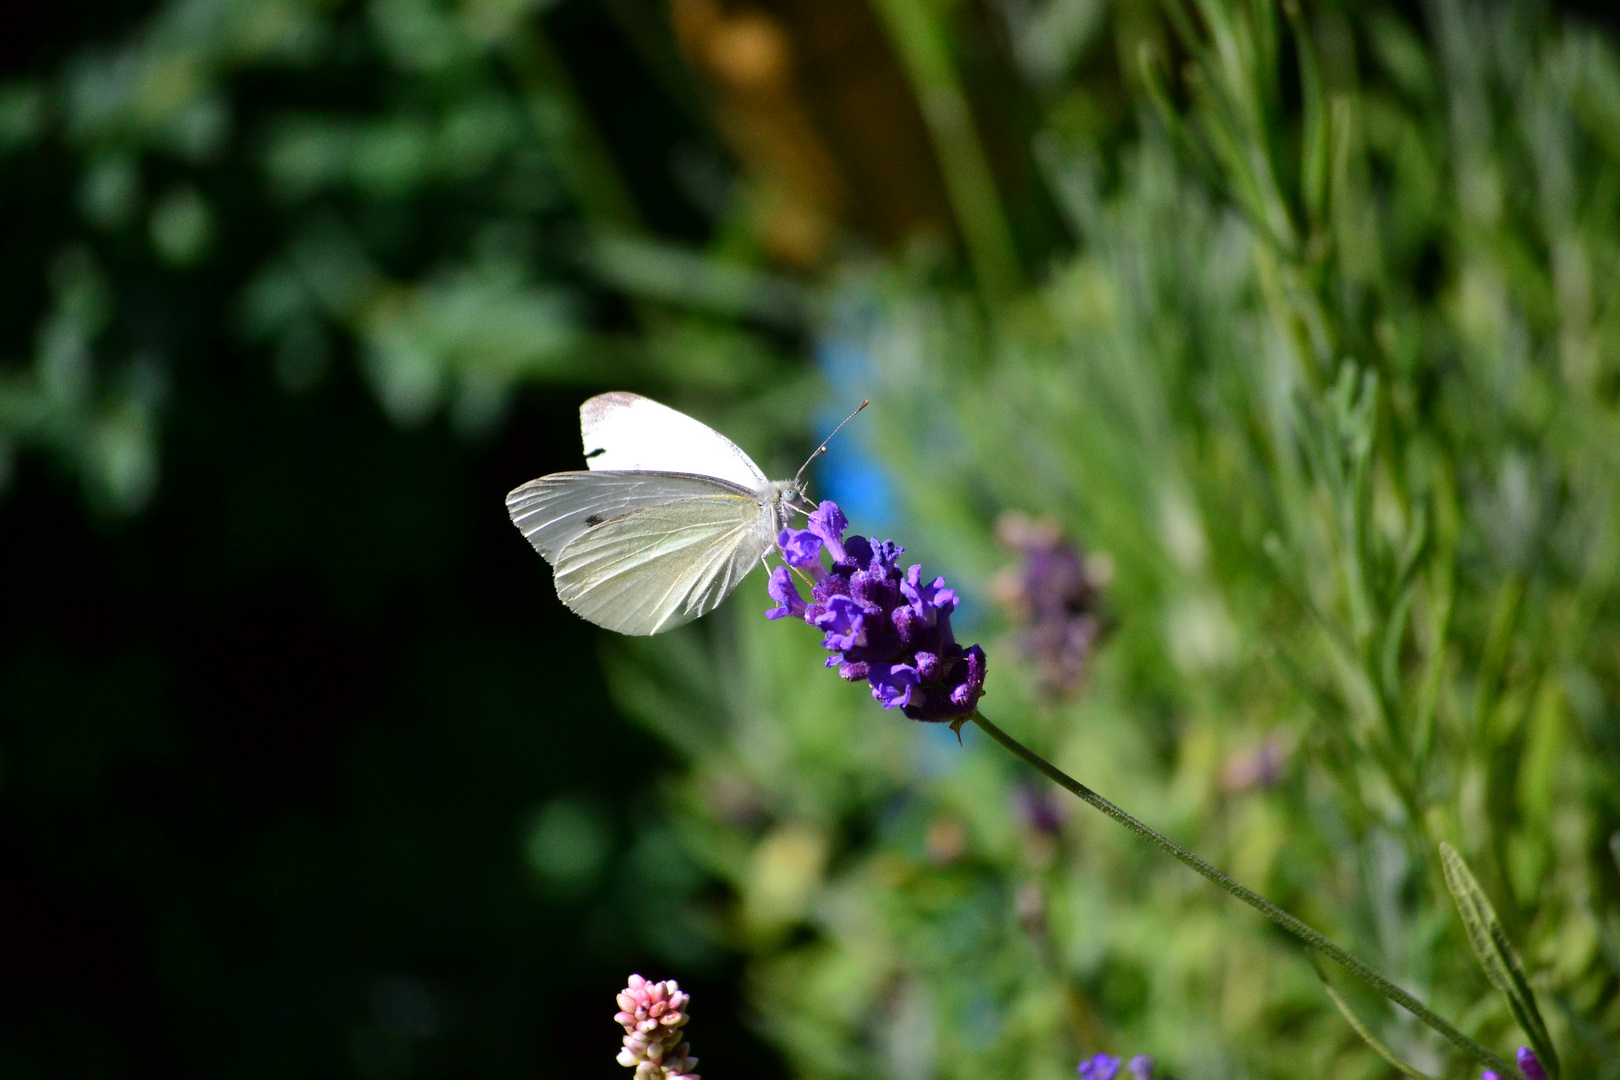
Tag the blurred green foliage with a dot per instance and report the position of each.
(1331, 380)
(1299, 315)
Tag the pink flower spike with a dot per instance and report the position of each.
(652, 1015)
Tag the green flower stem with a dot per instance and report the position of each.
(1310, 937)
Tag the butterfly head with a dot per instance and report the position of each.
(786, 498)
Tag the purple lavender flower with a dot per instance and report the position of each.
(1106, 1067)
(1259, 767)
(1529, 1064)
(1099, 1067)
(890, 628)
(1052, 594)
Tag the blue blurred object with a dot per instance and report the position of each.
(848, 473)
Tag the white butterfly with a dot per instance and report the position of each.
(668, 521)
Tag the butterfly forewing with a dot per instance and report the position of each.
(627, 432)
(660, 566)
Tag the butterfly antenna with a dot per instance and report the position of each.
(822, 449)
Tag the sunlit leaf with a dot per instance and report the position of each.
(1496, 955)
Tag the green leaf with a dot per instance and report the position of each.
(1496, 955)
(1317, 140)
(1361, 1028)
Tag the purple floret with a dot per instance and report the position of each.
(1100, 1067)
(785, 593)
(828, 524)
(800, 547)
(843, 620)
(882, 625)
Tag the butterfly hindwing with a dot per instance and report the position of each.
(553, 510)
(660, 566)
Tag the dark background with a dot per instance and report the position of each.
(270, 747)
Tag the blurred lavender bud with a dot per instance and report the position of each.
(653, 1015)
(1040, 810)
(1531, 1065)
(1099, 1067)
(889, 628)
(1259, 767)
(1041, 814)
(1106, 1067)
(1052, 594)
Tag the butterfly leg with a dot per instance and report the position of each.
(800, 574)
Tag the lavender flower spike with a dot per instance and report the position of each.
(887, 627)
(653, 1015)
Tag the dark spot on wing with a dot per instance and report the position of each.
(594, 520)
(600, 450)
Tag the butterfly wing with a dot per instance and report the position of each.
(663, 565)
(553, 510)
(625, 432)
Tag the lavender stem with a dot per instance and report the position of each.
(1311, 938)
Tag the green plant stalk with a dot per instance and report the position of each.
(1311, 938)
(920, 41)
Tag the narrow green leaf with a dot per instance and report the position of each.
(1496, 955)
(1149, 64)
(1362, 1029)
(1389, 663)
(1317, 141)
